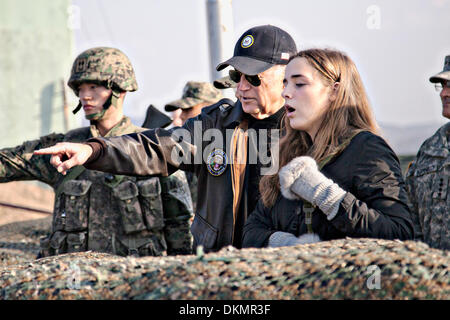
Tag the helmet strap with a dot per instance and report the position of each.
(111, 101)
(77, 108)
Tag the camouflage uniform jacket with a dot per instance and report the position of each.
(97, 211)
(428, 184)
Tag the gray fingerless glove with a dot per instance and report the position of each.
(286, 239)
(301, 178)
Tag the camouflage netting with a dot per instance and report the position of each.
(339, 269)
(19, 241)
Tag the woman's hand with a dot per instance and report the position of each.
(301, 179)
(66, 155)
(286, 239)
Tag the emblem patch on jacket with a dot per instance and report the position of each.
(217, 162)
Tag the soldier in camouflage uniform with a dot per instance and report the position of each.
(196, 95)
(428, 178)
(97, 211)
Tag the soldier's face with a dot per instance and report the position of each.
(93, 97)
(176, 118)
(263, 100)
(445, 97)
(191, 112)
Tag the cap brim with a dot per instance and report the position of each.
(224, 83)
(170, 108)
(245, 65)
(185, 103)
(442, 76)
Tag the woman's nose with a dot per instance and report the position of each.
(285, 93)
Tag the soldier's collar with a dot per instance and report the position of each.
(447, 134)
(119, 129)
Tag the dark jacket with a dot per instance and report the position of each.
(375, 205)
(151, 153)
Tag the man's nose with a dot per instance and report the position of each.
(85, 95)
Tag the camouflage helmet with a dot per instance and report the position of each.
(103, 64)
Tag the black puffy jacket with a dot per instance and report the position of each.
(375, 205)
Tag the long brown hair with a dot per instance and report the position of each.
(349, 113)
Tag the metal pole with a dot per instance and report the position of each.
(15, 206)
(65, 107)
(220, 34)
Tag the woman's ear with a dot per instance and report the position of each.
(334, 91)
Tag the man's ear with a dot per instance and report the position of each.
(334, 91)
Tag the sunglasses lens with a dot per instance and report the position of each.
(253, 80)
(235, 75)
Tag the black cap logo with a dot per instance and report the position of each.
(247, 41)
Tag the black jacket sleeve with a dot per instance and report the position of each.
(156, 151)
(152, 152)
(258, 227)
(376, 204)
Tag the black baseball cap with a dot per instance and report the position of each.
(259, 49)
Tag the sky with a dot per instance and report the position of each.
(396, 45)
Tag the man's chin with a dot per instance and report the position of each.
(250, 109)
(446, 111)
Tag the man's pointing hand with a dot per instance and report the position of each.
(67, 155)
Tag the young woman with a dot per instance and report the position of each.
(338, 178)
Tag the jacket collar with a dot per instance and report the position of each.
(441, 145)
(237, 114)
(124, 126)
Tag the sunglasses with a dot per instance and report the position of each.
(438, 86)
(236, 77)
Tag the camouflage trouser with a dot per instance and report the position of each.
(143, 244)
